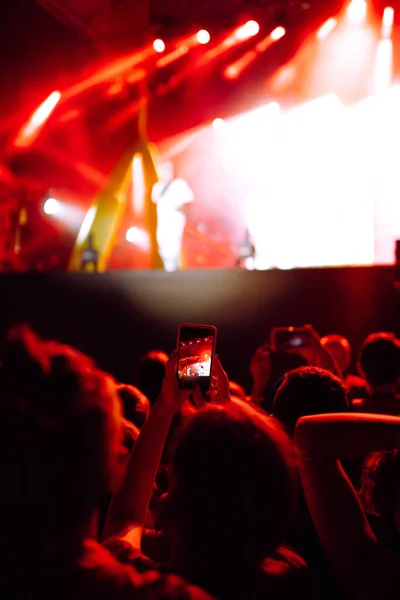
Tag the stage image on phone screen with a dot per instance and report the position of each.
(195, 354)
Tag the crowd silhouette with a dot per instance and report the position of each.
(145, 490)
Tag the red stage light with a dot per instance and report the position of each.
(52, 207)
(234, 70)
(231, 72)
(357, 11)
(159, 46)
(387, 22)
(115, 89)
(248, 30)
(277, 33)
(172, 56)
(326, 28)
(30, 130)
(388, 16)
(203, 37)
(218, 123)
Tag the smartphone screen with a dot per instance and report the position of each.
(196, 347)
(284, 338)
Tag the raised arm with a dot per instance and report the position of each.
(260, 369)
(338, 516)
(346, 435)
(318, 356)
(128, 510)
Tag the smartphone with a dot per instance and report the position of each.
(196, 349)
(289, 338)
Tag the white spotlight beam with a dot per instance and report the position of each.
(387, 22)
(357, 11)
(326, 28)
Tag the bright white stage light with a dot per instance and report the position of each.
(52, 207)
(387, 22)
(248, 30)
(138, 237)
(246, 148)
(203, 37)
(357, 11)
(71, 215)
(383, 66)
(86, 224)
(277, 33)
(159, 46)
(30, 130)
(326, 28)
(218, 123)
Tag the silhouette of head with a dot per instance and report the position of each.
(219, 510)
(135, 404)
(151, 374)
(379, 359)
(60, 437)
(380, 484)
(308, 391)
(339, 347)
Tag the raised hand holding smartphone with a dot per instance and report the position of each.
(196, 349)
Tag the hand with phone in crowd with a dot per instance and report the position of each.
(191, 369)
(307, 342)
(219, 391)
(302, 341)
(198, 367)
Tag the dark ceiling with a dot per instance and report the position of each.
(116, 20)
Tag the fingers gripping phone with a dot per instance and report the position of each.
(196, 349)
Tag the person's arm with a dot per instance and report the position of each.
(346, 435)
(180, 194)
(318, 356)
(327, 362)
(338, 516)
(129, 505)
(260, 369)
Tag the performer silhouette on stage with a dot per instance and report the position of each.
(89, 256)
(171, 197)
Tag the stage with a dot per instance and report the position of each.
(117, 316)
